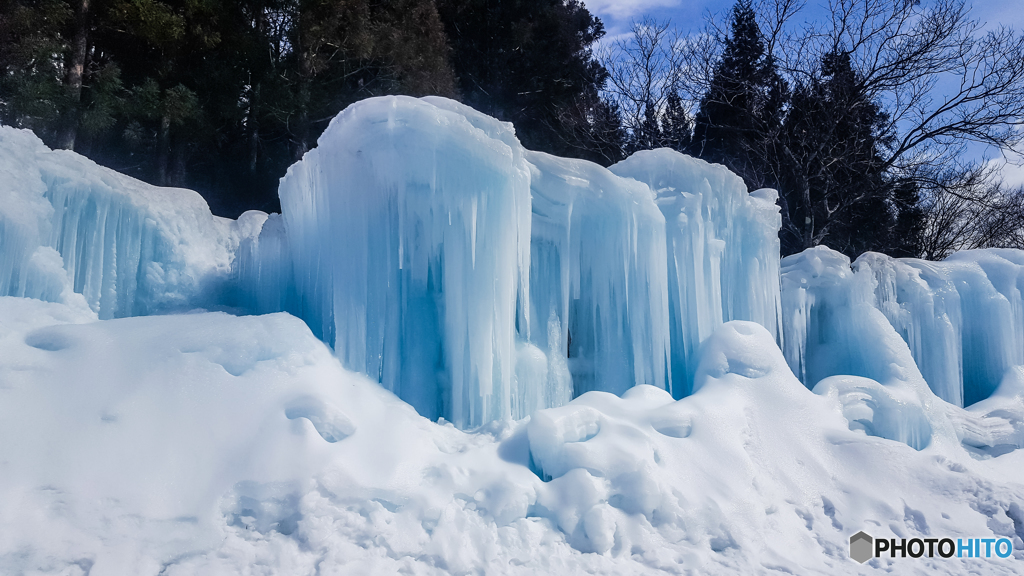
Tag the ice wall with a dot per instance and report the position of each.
(408, 233)
(480, 281)
(961, 319)
(722, 250)
(70, 226)
(263, 277)
(598, 284)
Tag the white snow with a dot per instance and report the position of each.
(585, 371)
(213, 444)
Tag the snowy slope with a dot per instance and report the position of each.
(214, 444)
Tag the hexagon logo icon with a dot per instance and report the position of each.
(860, 547)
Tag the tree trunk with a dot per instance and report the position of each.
(253, 125)
(179, 163)
(300, 136)
(301, 133)
(808, 227)
(68, 130)
(163, 155)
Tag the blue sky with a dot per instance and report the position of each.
(688, 15)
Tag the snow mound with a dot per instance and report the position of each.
(210, 444)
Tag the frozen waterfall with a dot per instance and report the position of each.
(480, 281)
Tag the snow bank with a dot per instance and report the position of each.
(213, 444)
(70, 226)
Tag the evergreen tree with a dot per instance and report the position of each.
(31, 48)
(606, 134)
(529, 62)
(743, 107)
(834, 183)
(675, 125)
(647, 135)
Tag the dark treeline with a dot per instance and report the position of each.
(847, 119)
(222, 96)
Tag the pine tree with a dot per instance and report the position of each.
(834, 183)
(648, 134)
(743, 107)
(675, 125)
(528, 62)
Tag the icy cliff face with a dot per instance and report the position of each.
(961, 320)
(408, 232)
(71, 227)
(598, 275)
(723, 250)
(481, 281)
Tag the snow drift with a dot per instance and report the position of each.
(214, 444)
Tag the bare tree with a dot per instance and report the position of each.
(644, 70)
(944, 81)
(968, 208)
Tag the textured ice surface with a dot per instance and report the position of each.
(436, 255)
(598, 275)
(723, 250)
(961, 319)
(408, 232)
(69, 226)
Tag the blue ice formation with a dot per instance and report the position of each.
(722, 247)
(961, 319)
(481, 281)
(70, 227)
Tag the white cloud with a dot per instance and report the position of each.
(626, 9)
(1009, 167)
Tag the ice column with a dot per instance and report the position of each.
(598, 284)
(722, 250)
(408, 230)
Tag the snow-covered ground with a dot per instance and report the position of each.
(213, 444)
(143, 433)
